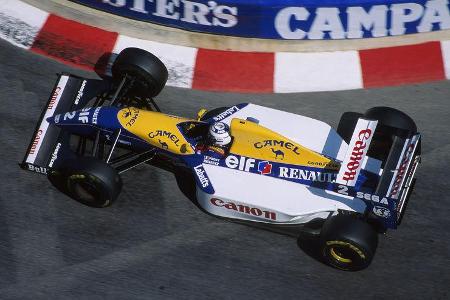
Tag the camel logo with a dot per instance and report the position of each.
(277, 153)
(126, 114)
(163, 144)
(165, 135)
(130, 115)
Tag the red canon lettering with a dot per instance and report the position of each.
(366, 133)
(53, 98)
(35, 141)
(401, 171)
(357, 155)
(254, 211)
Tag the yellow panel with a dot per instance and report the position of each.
(256, 141)
(158, 129)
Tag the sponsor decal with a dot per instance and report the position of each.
(57, 119)
(80, 92)
(36, 141)
(329, 165)
(362, 21)
(95, 115)
(242, 163)
(131, 114)
(83, 117)
(381, 211)
(253, 211)
(357, 154)
(54, 98)
(401, 172)
(201, 174)
(226, 113)
(296, 20)
(264, 167)
(210, 13)
(54, 155)
(211, 160)
(277, 143)
(373, 198)
(295, 173)
(164, 134)
(40, 170)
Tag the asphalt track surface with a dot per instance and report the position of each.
(155, 244)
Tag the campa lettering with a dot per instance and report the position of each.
(358, 22)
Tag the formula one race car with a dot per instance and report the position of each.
(248, 163)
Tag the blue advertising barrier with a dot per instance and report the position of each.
(288, 19)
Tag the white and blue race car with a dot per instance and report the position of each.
(276, 170)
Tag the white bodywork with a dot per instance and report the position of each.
(248, 196)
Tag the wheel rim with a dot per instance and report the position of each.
(340, 255)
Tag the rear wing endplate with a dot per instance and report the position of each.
(356, 152)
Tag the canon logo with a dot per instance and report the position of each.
(53, 98)
(253, 211)
(357, 154)
(35, 141)
(401, 171)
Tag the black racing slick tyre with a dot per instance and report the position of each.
(149, 72)
(348, 243)
(394, 118)
(89, 181)
(347, 125)
(391, 122)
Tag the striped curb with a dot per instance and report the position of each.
(82, 46)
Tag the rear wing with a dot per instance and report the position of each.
(389, 199)
(397, 179)
(48, 143)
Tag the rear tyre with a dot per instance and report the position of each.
(348, 243)
(148, 71)
(347, 125)
(391, 123)
(89, 181)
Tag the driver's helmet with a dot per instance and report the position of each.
(219, 134)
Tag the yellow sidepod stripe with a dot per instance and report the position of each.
(256, 141)
(158, 129)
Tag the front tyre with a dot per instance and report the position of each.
(148, 72)
(89, 181)
(348, 243)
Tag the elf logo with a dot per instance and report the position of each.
(242, 163)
